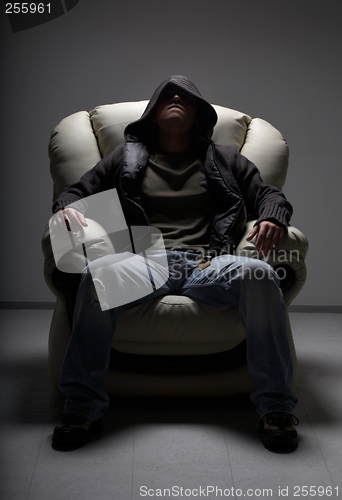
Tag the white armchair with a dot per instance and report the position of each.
(172, 331)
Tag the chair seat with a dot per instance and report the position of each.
(163, 328)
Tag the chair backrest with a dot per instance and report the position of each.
(82, 139)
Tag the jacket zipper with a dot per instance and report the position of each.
(140, 168)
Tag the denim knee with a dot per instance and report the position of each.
(87, 286)
(258, 270)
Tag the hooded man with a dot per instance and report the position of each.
(170, 175)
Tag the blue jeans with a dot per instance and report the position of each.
(249, 284)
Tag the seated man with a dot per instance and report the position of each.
(169, 174)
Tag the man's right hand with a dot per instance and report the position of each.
(69, 218)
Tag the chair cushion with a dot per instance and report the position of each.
(163, 328)
(110, 120)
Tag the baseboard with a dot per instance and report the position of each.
(316, 309)
(27, 305)
(51, 305)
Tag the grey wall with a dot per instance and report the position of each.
(278, 60)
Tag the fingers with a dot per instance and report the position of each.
(278, 239)
(69, 219)
(58, 223)
(270, 236)
(254, 231)
(77, 221)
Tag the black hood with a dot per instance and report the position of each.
(144, 128)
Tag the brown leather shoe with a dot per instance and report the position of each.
(75, 431)
(277, 430)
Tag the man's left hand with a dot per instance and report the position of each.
(270, 236)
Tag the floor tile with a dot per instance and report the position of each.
(317, 326)
(102, 469)
(179, 455)
(15, 480)
(253, 466)
(165, 443)
(21, 438)
(339, 319)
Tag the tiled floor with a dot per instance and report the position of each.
(150, 446)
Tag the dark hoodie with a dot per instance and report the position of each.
(206, 117)
(234, 183)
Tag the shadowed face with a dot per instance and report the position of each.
(175, 111)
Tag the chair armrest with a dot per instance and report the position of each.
(292, 252)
